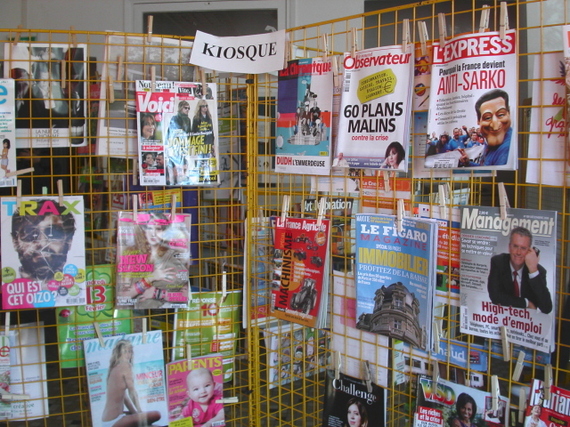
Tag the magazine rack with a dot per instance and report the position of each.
(279, 372)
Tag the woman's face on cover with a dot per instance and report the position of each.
(392, 159)
(466, 412)
(153, 234)
(148, 129)
(353, 416)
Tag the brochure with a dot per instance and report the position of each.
(491, 248)
(541, 412)
(43, 252)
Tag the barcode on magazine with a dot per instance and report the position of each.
(72, 301)
(347, 82)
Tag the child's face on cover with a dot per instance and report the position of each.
(200, 388)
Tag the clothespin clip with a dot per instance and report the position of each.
(442, 202)
(20, 172)
(354, 44)
(233, 399)
(325, 47)
(98, 334)
(135, 207)
(149, 29)
(336, 79)
(9, 397)
(135, 172)
(321, 212)
(519, 366)
(18, 194)
(44, 191)
(285, 207)
(17, 36)
(547, 381)
(506, 346)
(120, 67)
(202, 78)
(153, 78)
(7, 325)
(338, 366)
(60, 191)
(224, 286)
(503, 200)
(405, 35)
(172, 207)
(189, 353)
(522, 404)
(111, 89)
(400, 215)
(495, 391)
(423, 33)
(63, 80)
(73, 37)
(367, 376)
(386, 177)
(144, 330)
(504, 20)
(436, 335)
(288, 48)
(484, 22)
(434, 371)
(442, 29)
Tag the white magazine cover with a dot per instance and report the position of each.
(473, 103)
(7, 132)
(43, 252)
(126, 379)
(117, 124)
(491, 248)
(374, 123)
(51, 101)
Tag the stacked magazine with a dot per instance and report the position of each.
(541, 412)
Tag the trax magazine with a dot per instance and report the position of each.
(304, 117)
(178, 135)
(395, 277)
(195, 392)
(153, 258)
(472, 119)
(491, 295)
(301, 271)
(542, 412)
(43, 252)
(126, 379)
(375, 109)
(350, 401)
(446, 404)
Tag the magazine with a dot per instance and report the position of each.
(304, 117)
(395, 277)
(178, 133)
(5, 407)
(43, 252)
(50, 111)
(76, 324)
(374, 127)
(472, 107)
(349, 402)
(153, 258)
(446, 404)
(490, 298)
(7, 132)
(381, 195)
(209, 325)
(117, 130)
(301, 271)
(541, 412)
(294, 352)
(126, 379)
(195, 392)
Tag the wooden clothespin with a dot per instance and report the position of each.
(144, 330)
(9, 397)
(436, 336)
(17, 36)
(522, 404)
(7, 325)
(149, 29)
(442, 29)
(503, 200)
(60, 191)
(110, 89)
(504, 20)
(354, 44)
(338, 366)
(506, 344)
(405, 35)
(120, 67)
(442, 202)
(172, 207)
(63, 80)
(189, 354)
(495, 391)
(386, 177)
(434, 372)
(135, 208)
(321, 210)
(285, 207)
(367, 375)
(547, 381)
(20, 172)
(400, 213)
(336, 75)
(519, 366)
(135, 172)
(325, 47)
(424, 36)
(18, 194)
(153, 78)
(203, 82)
(98, 334)
(73, 37)
(224, 286)
(288, 54)
(44, 191)
(233, 399)
(484, 22)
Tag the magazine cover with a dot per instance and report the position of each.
(153, 258)
(195, 392)
(374, 127)
(50, 111)
(178, 133)
(126, 379)
(544, 413)
(381, 195)
(547, 137)
(209, 325)
(294, 352)
(28, 372)
(300, 283)
(117, 124)
(5, 407)
(43, 252)
(349, 402)
(491, 295)
(304, 117)
(446, 404)
(354, 344)
(395, 277)
(76, 324)
(472, 107)
(7, 132)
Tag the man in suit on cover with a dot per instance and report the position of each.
(516, 278)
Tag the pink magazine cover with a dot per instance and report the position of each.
(195, 392)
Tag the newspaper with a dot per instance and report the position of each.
(490, 248)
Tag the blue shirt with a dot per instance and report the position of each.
(500, 155)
